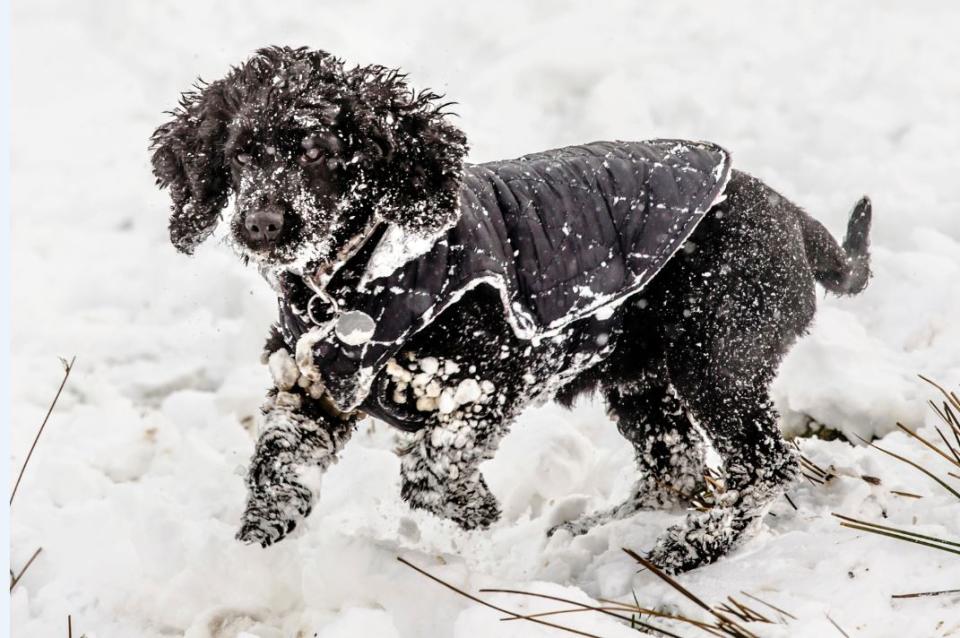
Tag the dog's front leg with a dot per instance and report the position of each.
(301, 435)
(464, 423)
(280, 495)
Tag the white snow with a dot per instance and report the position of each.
(283, 369)
(136, 489)
(394, 249)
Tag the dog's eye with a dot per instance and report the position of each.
(244, 158)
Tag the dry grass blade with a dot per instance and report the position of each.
(790, 500)
(816, 469)
(724, 607)
(839, 628)
(913, 464)
(491, 605)
(947, 414)
(951, 397)
(67, 367)
(899, 534)
(909, 539)
(815, 480)
(925, 594)
(637, 609)
(907, 494)
(584, 607)
(670, 581)
(953, 451)
(726, 624)
(763, 602)
(576, 610)
(752, 614)
(16, 579)
(927, 443)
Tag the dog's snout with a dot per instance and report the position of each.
(263, 226)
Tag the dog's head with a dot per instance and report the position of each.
(313, 155)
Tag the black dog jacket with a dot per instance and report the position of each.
(562, 235)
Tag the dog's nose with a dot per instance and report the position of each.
(263, 226)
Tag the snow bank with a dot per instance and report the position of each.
(136, 490)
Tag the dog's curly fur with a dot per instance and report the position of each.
(396, 143)
(694, 354)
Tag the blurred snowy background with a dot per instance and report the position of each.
(136, 489)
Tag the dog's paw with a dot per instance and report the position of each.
(256, 533)
(701, 539)
(270, 519)
(478, 513)
(476, 509)
(469, 504)
(266, 526)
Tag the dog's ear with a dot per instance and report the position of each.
(411, 152)
(188, 158)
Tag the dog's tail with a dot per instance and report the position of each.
(841, 270)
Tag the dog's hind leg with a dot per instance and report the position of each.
(758, 467)
(730, 332)
(668, 449)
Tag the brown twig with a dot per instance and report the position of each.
(16, 579)
(67, 367)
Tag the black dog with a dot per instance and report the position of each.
(443, 297)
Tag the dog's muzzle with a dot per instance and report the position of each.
(262, 227)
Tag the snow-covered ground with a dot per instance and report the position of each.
(136, 489)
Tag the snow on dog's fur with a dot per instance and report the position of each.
(327, 155)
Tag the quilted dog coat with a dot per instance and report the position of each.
(563, 235)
